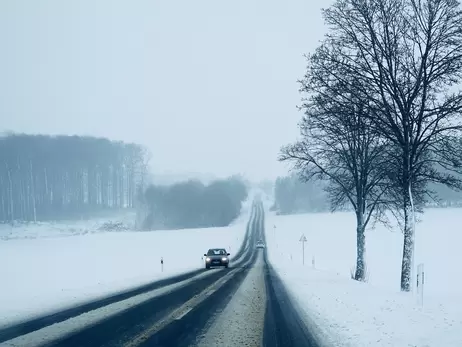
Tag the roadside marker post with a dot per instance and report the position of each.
(162, 264)
(420, 283)
(303, 240)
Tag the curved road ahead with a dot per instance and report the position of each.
(245, 305)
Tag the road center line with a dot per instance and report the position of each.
(183, 310)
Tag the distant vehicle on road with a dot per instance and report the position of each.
(260, 244)
(216, 257)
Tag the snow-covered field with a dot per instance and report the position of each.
(125, 220)
(376, 313)
(44, 271)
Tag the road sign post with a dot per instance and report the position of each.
(303, 240)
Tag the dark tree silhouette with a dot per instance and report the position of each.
(192, 204)
(405, 57)
(339, 145)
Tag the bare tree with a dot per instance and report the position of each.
(339, 145)
(406, 56)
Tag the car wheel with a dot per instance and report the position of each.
(226, 266)
(207, 266)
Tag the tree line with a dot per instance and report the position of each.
(58, 177)
(293, 195)
(382, 111)
(191, 204)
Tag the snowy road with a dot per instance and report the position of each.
(230, 326)
(245, 305)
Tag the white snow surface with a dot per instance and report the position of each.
(53, 229)
(45, 272)
(376, 313)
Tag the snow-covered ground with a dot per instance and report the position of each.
(115, 221)
(44, 271)
(376, 313)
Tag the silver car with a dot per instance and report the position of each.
(260, 244)
(216, 257)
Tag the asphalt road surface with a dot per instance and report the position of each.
(244, 305)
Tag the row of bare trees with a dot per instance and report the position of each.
(192, 204)
(382, 112)
(292, 195)
(49, 178)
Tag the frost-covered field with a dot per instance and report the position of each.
(42, 274)
(374, 313)
(20, 230)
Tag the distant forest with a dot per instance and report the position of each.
(191, 204)
(59, 177)
(292, 196)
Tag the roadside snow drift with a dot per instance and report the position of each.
(42, 274)
(349, 313)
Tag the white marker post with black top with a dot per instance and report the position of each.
(303, 240)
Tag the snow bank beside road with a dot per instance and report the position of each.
(374, 313)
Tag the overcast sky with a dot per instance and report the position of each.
(208, 86)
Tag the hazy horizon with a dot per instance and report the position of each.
(209, 87)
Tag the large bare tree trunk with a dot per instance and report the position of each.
(360, 273)
(407, 264)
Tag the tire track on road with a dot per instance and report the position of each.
(283, 325)
(241, 323)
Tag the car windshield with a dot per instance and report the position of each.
(216, 252)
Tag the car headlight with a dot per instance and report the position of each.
(207, 259)
(224, 259)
